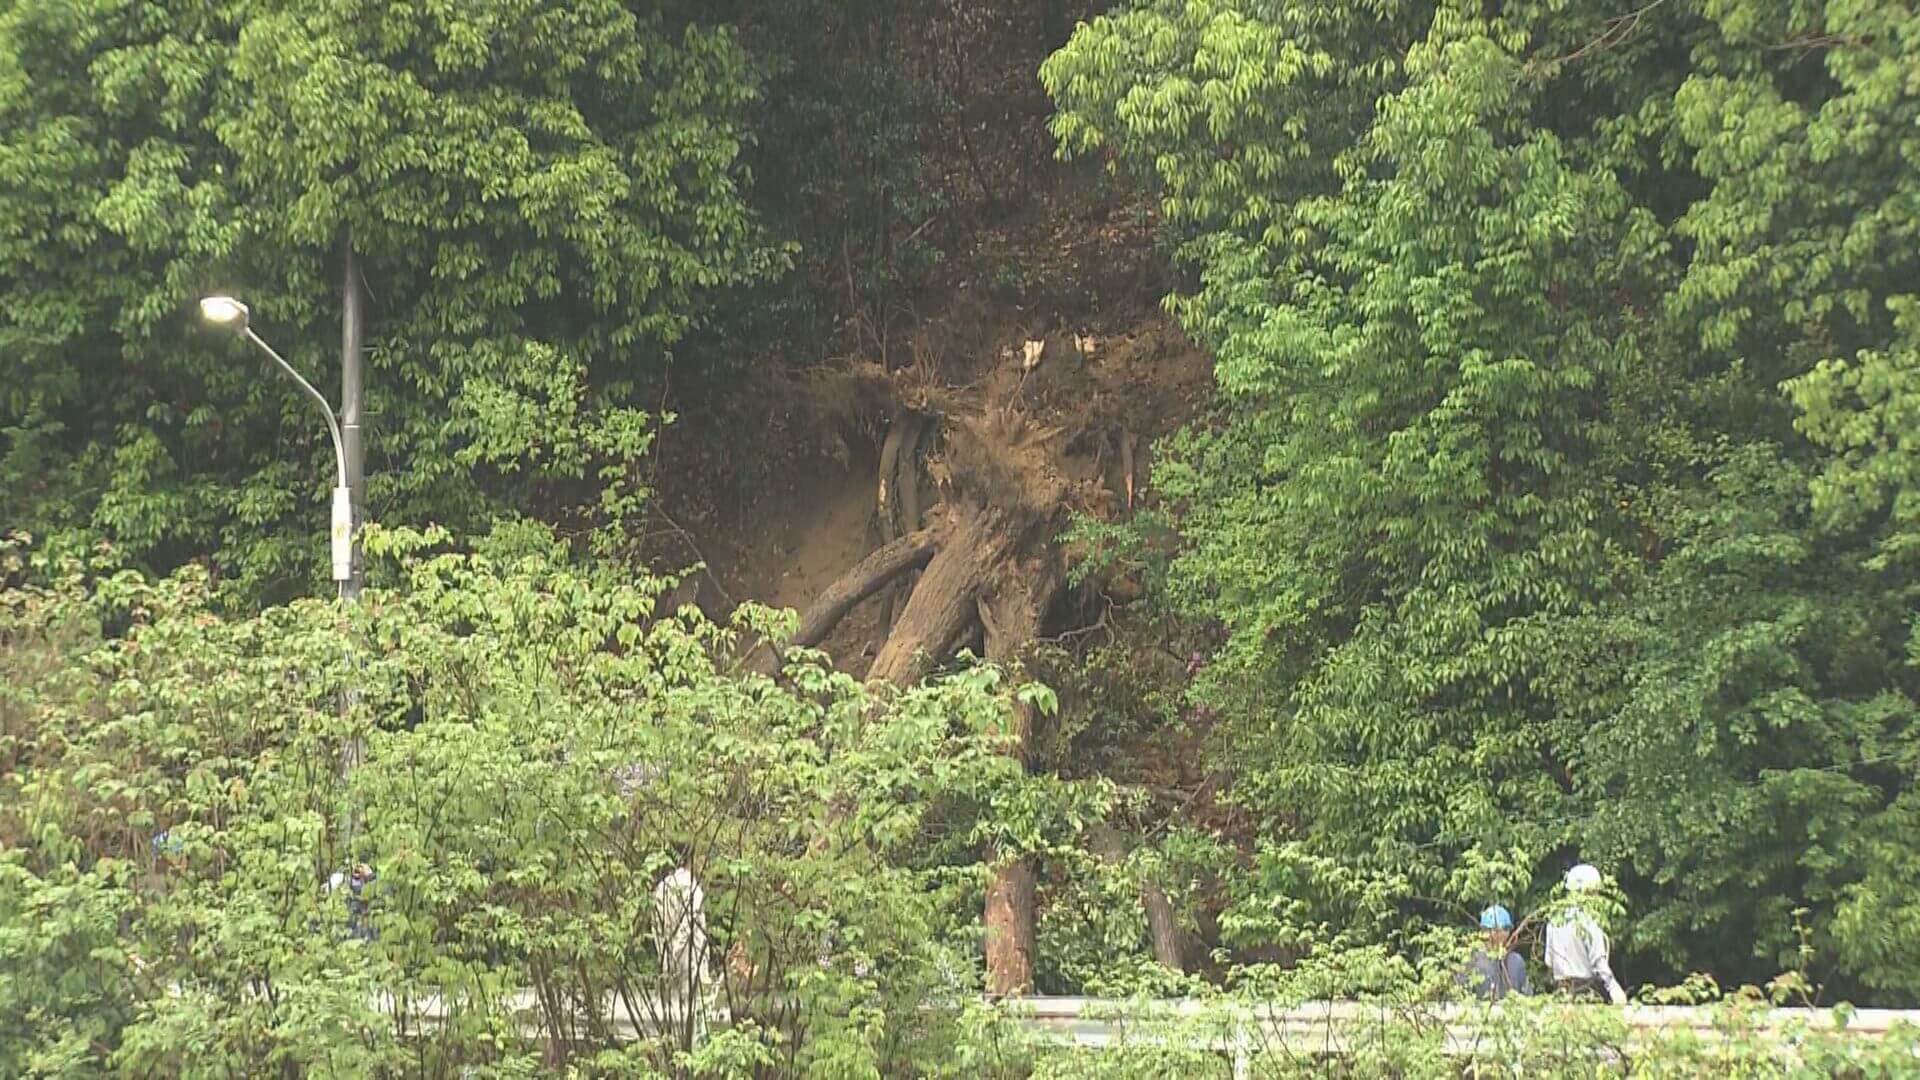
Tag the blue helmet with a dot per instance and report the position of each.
(1496, 918)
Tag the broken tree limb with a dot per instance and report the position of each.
(944, 601)
(867, 577)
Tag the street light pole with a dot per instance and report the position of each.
(352, 396)
(348, 460)
(227, 312)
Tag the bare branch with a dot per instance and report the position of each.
(1617, 29)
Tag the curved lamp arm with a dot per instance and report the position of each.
(326, 410)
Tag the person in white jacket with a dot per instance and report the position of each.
(1577, 947)
(680, 930)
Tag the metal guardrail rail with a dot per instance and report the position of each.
(1319, 1028)
(1333, 1028)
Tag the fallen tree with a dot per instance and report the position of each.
(974, 485)
(990, 569)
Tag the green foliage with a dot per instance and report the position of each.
(535, 750)
(545, 199)
(1402, 1034)
(1562, 495)
(853, 101)
(1342, 1005)
(1091, 938)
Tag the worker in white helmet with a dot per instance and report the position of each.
(1577, 947)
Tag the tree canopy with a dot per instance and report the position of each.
(1556, 496)
(544, 199)
(1422, 445)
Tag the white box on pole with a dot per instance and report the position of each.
(342, 535)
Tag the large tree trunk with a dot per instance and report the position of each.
(978, 573)
(1170, 943)
(994, 570)
(1009, 926)
(945, 601)
(1012, 615)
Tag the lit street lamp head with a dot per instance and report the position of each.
(230, 314)
(224, 312)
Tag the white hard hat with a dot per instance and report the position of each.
(1582, 877)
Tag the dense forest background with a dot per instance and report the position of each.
(1388, 452)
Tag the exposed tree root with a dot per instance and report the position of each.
(907, 471)
(944, 603)
(889, 478)
(898, 500)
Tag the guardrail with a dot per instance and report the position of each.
(1313, 1029)
(1335, 1028)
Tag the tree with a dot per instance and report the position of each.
(973, 487)
(541, 748)
(545, 199)
(1505, 513)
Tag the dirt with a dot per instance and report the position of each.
(794, 542)
(1043, 360)
(807, 536)
(1062, 419)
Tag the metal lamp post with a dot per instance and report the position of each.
(231, 314)
(228, 313)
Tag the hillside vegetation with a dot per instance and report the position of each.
(1255, 482)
